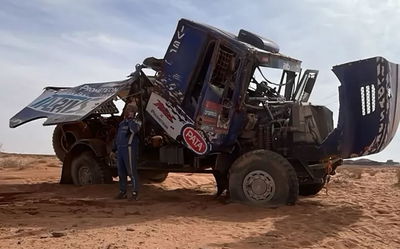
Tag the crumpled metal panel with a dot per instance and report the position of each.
(181, 59)
(369, 108)
(61, 105)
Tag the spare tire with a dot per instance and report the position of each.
(65, 136)
(63, 141)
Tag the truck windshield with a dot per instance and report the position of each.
(266, 83)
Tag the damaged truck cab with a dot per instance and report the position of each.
(212, 107)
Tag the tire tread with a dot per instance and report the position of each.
(293, 183)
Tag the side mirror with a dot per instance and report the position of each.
(306, 85)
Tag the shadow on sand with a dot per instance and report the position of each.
(50, 207)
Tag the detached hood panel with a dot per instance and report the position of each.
(61, 105)
(369, 108)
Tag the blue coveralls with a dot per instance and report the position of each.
(127, 145)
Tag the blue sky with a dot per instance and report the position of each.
(66, 43)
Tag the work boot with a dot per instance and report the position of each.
(121, 195)
(134, 196)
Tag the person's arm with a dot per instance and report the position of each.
(139, 124)
(134, 126)
(114, 145)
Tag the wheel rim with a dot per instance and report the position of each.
(85, 175)
(258, 185)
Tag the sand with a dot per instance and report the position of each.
(361, 211)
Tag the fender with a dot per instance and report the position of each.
(97, 146)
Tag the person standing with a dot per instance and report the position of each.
(126, 145)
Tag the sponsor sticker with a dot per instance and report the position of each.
(194, 140)
(167, 115)
(79, 100)
(161, 107)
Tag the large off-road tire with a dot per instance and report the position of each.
(63, 141)
(153, 176)
(86, 169)
(310, 189)
(263, 178)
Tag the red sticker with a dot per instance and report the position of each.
(194, 140)
(164, 110)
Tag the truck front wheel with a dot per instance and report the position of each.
(263, 177)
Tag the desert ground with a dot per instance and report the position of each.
(361, 211)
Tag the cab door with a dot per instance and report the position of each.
(217, 103)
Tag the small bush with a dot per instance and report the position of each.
(398, 177)
(55, 165)
(355, 173)
(373, 172)
(340, 179)
(11, 163)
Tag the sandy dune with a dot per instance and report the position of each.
(361, 211)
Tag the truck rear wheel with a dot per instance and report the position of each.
(264, 178)
(86, 169)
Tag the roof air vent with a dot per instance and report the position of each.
(258, 41)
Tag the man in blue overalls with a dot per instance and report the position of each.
(127, 145)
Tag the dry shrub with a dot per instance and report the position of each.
(41, 161)
(55, 165)
(355, 173)
(398, 177)
(372, 172)
(4, 155)
(340, 179)
(11, 163)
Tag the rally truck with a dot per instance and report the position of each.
(212, 105)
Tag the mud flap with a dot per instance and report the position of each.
(368, 113)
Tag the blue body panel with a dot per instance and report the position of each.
(182, 57)
(62, 105)
(183, 61)
(369, 103)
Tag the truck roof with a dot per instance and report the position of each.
(266, 51)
